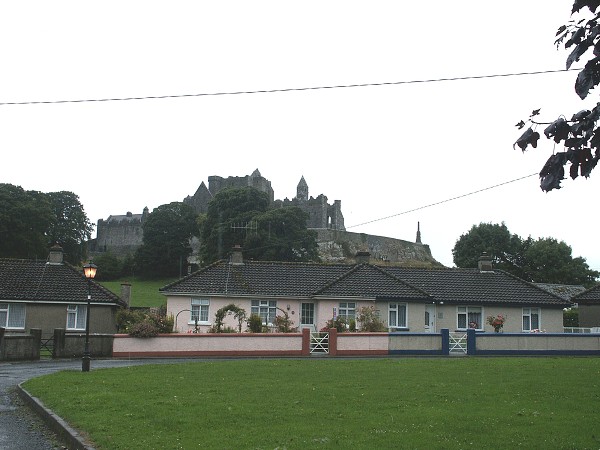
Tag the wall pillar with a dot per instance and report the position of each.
(58, 350)
(333, 335)
(305, 342)
(36, 342)
(445, 333)
(471, 342)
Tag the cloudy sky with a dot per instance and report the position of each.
(395, 144)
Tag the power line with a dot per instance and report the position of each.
(443, 201)
(271, 91)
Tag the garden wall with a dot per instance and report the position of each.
(533, 344)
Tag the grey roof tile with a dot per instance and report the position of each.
(39, 281)
(467, 286)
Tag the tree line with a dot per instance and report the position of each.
(32, 221)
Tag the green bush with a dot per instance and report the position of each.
(571, 317)
(254, 323)
(284, 323)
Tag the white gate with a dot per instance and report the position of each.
(458, 343)
(319, 343)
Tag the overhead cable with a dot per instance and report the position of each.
(271, 91)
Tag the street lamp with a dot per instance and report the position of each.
(89, 270)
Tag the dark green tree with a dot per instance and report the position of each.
(242, 217)
(580, 135)
(544, 260)
(25, 218)
(281, 235)
(505, 249)
(550, 261)
(229, 219)
(71, 227)
(166, 245)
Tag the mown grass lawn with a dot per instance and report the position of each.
(143, 292)
(420, 403)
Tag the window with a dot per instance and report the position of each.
(307, 314)
(347, 311)
(531, 319)
(199, 310)
(76, 315)
(397, 315)
(266, 309)
(469, 317)
(12, 315)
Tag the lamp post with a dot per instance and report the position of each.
(89, 270)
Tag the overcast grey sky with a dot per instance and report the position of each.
(385, 151)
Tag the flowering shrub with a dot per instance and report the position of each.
(339, 324)
(368, 318)
(144, 323)
(496, 322)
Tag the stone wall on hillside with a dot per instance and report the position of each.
(343, 246)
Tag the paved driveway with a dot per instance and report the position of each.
(20, 428)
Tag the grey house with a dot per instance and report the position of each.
(589, 307)
(52, 294)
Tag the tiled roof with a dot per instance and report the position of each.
(39, 281)
(566, 291)
(467, 286)
(589, 297)
(365, 280)
(472, 286)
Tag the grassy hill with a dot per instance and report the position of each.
(143, 292)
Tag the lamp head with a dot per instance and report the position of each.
(89, 270)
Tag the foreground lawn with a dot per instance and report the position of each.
(143, 292)
(422, 403)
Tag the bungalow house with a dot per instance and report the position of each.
(407, 299)
(52, 294)
(589, 307)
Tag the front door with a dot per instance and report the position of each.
(429, 318)
(307, 315)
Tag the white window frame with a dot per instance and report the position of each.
(393, 312)
(12, 316)
(347, 310)
(78, 313)
(266, 309)
(528, 314)
(468, 312)
(199, 307)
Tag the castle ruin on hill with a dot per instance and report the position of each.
(123, 234)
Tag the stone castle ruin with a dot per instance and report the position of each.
(123, 234)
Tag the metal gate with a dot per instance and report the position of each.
(319, 343)
(458, 343)
(47, 347)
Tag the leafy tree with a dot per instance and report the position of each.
(580, 135)
(544, 260)
(228, 220)
(241, 217)
(25, 218)
(282, 235)
(504, 248)
(111, 267)
(550, 261)
(166, 244)
(71, 227)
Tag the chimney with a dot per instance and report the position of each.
(362, 257)
(56, 254)
(418, 233)
(485, 263)
(237, 258)
(126, 293)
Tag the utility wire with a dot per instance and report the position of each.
(271, 91)
(443, 201)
